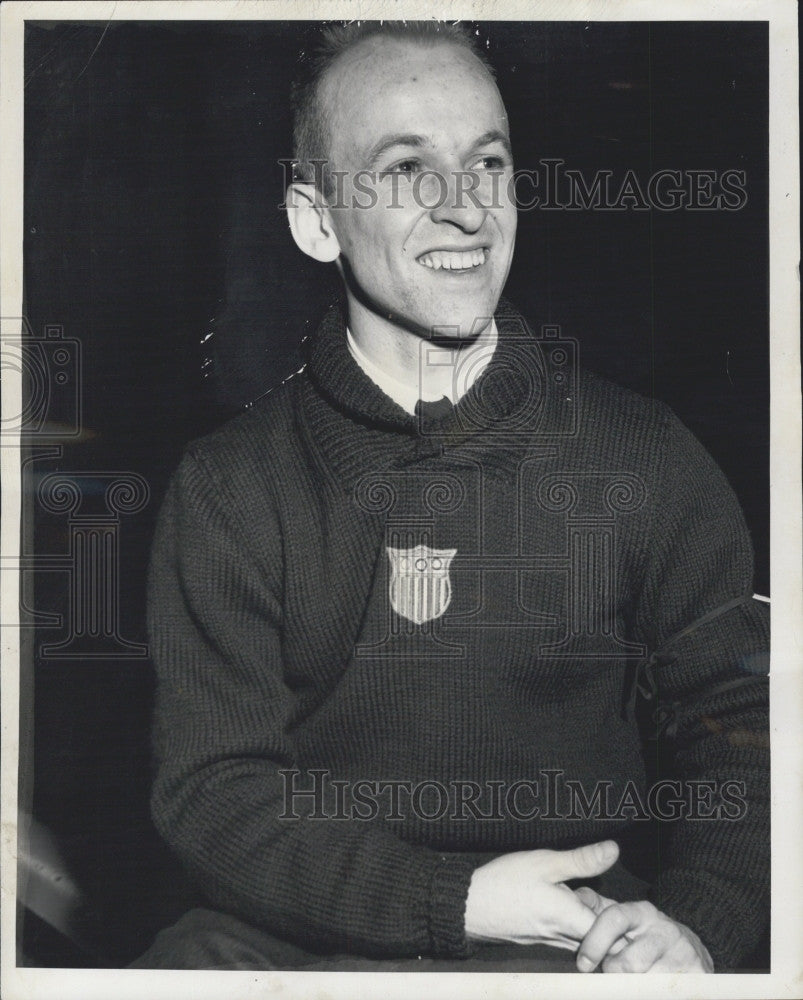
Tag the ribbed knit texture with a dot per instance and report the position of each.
(277, 648)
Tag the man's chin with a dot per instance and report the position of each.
(452, 317)
(459, 320)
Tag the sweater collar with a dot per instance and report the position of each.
(377, 433)
(513, 378)
(445, 373)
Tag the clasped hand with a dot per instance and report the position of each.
(521, 897)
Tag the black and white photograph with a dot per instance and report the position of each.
(401, 500)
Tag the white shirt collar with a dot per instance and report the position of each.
(444, 371)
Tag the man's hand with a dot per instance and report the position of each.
(637, 937)
(520, 897)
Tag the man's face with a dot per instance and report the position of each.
(413, 126)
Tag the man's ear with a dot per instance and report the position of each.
(310, 223)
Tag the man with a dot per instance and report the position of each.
(437, 562)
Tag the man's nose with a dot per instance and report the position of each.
(459, 202)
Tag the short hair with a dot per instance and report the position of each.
(311, 120)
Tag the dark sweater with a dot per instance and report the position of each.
(590, 531)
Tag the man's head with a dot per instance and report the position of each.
(415, 208)
(312, 115)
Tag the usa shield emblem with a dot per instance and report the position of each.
(420, 588)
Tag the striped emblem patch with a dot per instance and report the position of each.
(420, 588)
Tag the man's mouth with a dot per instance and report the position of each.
(454, 260)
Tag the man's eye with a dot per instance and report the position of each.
(489, 162)
(404, 167)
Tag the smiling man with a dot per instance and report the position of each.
(434, 114)
(401, 609)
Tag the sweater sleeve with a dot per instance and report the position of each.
(221, 738)
(711, 678)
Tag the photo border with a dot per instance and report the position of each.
(785, 519)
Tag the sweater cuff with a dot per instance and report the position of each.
(720, 918)
(447, 906)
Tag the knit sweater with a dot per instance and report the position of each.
(342, 594)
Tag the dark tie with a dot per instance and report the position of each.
(433, 412)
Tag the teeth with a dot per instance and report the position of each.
(453, 260)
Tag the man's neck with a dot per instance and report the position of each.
(408, 367)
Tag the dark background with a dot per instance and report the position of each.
(152, 221)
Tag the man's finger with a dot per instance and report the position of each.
(599, 904)
(572, 919)
(609, 926)
(583, 862)
(593, 900)
(637, 956)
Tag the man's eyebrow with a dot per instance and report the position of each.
(494, 135)
(396, 139)
(418, 141)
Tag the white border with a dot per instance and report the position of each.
(786, 978)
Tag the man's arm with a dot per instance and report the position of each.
(711, 680)
(222, 735)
